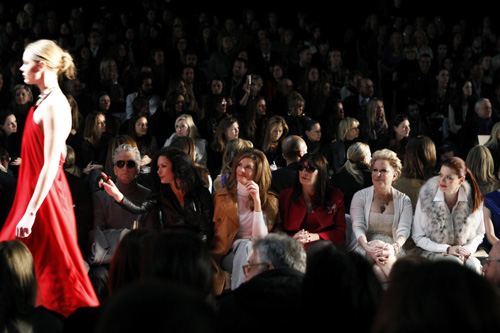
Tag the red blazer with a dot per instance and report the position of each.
(328, 223)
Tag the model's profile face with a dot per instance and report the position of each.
(30, 68)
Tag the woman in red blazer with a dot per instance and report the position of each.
(312, 211)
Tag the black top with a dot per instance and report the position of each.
(349, 186)
(196, 215)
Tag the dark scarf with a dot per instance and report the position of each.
(483, 125)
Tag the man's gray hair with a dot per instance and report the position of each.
(126, 147)
(282, 251)
(479, 102)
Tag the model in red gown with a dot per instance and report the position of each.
(63, 281)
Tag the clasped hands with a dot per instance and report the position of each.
(306, 237)
(459, 251)
(380, 251)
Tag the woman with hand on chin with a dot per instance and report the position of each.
(243, 210)
(381, 215)
(42, 215)
(448, 221)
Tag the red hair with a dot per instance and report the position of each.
(459, 166)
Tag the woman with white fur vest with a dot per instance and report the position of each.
(448, 222)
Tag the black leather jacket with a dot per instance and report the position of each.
(196, 215)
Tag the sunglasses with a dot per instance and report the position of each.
(308, 168)
(130, 164)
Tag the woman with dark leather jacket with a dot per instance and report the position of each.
(184, 201)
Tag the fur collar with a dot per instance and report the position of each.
(442, 227)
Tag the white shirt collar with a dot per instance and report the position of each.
(461, 195)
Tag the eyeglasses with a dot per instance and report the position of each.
(130, 164)
(223, 103)
(246, 268)
(308, 168)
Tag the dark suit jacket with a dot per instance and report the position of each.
(349, 186)
(83, 206)
(351, 106)
(285, 177)
(247, 308)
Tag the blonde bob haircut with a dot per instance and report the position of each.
(344, 125)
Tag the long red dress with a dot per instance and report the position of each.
(63, 281)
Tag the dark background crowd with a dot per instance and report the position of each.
(387, 71)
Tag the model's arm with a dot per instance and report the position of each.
(56, 125)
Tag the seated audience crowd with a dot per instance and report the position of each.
(230, 172)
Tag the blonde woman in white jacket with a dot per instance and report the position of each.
(381, 216)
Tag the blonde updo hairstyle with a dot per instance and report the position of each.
(56, 59)
(389, 156)
(358, 154)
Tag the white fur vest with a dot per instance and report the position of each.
(442, 228)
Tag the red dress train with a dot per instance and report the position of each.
(62, 276)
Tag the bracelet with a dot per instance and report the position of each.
(396, 247)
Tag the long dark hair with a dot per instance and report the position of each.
(127, 263)
(321, 186)
(183, 257)
(395, 123)
(183, 168)
(420, 158)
